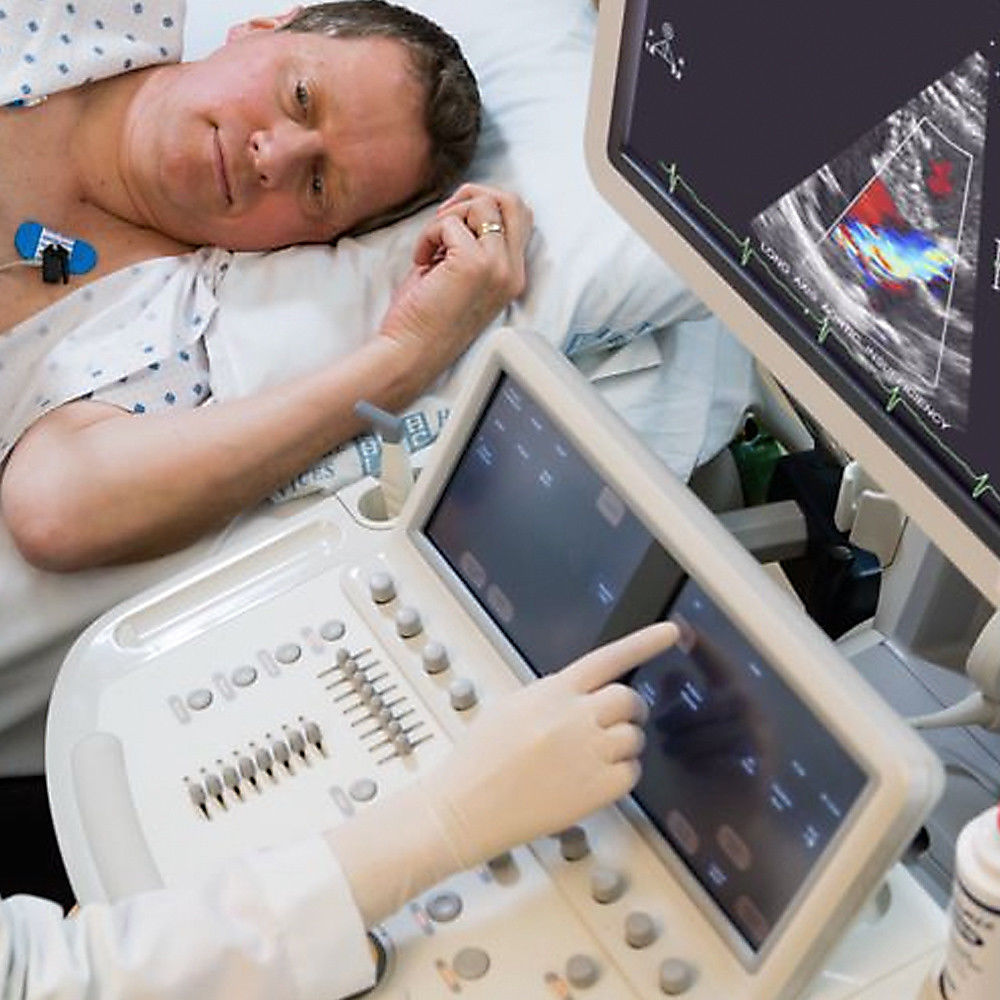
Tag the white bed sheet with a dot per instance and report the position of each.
(676, 375)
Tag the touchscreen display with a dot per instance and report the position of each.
(554, 555)
(738, 774)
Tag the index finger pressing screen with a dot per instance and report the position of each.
(609, 662)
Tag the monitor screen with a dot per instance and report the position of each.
(834, 169)
(739, 775)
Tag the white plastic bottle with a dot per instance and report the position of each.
(972, 958)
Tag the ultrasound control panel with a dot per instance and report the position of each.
(283, 688)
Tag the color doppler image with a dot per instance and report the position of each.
(885, 237)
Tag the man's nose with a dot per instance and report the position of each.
(278, 154)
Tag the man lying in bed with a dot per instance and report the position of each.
(299, 129)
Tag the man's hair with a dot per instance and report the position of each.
(452, 106)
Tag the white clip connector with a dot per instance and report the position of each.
(875, 521)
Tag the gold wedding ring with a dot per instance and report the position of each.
(488, 227)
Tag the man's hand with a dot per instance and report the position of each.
(467, 265)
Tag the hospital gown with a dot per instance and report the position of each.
(134, 338)
(276, 924)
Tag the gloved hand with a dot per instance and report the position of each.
(547, 754)
(534, 763)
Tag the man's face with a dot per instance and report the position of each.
(277, 138)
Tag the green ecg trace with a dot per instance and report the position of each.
(979, 484)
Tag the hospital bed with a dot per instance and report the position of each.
(596, 291)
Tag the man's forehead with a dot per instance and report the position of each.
(386, 52)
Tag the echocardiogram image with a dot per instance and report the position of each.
(884, 240)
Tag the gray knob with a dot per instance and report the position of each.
(607, 885)
(288, 652)
(471, 963)
(582, 971)
(363, 790)
(676, 976)
(640, 930)
(444, 907)
(573, 843)
(381, 587)
(247, 768)
(244, 676)
(408, 623)
(230, 778)
(297, 742)
(200, 699)
(435, 658)
(264, 759)
(402, 745)
(462, 693)
(503, 867)
(280, 750)
(332, 630)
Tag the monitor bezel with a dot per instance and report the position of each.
(946, 513)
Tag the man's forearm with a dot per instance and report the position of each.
(89, 485)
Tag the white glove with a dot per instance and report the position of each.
(547, 754)
(534, 763)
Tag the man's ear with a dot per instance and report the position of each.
(261, 23)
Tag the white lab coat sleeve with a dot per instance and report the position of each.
(279, 925)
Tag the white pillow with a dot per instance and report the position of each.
(592, 281)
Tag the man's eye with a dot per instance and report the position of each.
(302, 95)
(317, 185)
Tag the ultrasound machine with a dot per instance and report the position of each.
(806, 193)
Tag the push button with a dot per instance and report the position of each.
(381, 587)
(363, 790)
(607, 885)
(332, 630)
(676, 976)
(462, 694)
(408, 623)
(199, 700)
(573, 844)
(444, 907)
(288, 653)
(582, 971)
(640, 930)
(435, 658)
(244, 676)
(471, 963)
